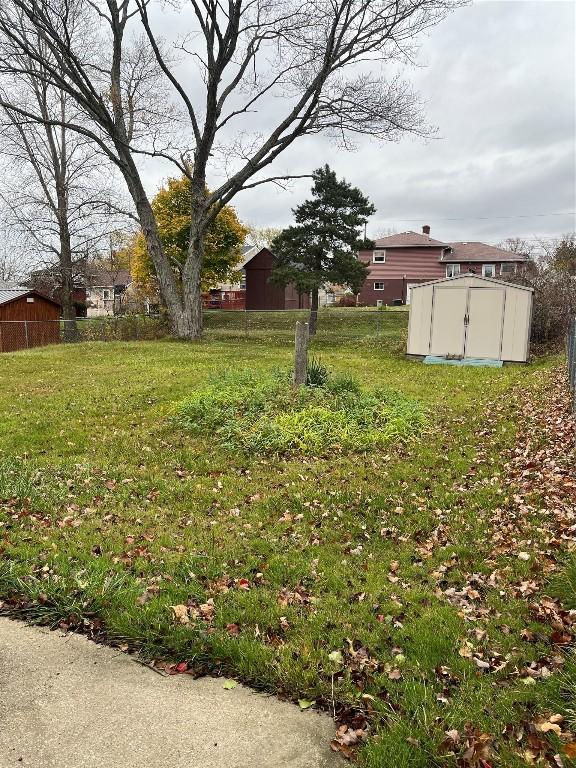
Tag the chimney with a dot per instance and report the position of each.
(426, 230)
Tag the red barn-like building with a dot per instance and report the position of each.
(261, 294)
(27, 319)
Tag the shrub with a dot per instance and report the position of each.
(256, 415)
(554, 303)
(348, 300)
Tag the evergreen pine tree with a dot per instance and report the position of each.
(320, 248)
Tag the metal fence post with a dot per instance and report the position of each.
(26, 334)
(572, 361)
(569, 351)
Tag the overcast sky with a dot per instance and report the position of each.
(499, 84)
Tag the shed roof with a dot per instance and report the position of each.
(248, 253)
(476, 277)
(6, 296)
(10, 294)
(264, 252)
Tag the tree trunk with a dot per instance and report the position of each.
(190, 320)
(191, 285)
(192, 269)
(184, 303)
(67, 289)
(313, 322)
(183, 321)
(66, 266)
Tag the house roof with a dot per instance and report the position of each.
(101, 278)
(463, 251)
(6, 296)
(479, 252)
(408, 239)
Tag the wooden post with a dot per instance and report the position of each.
(301, 354)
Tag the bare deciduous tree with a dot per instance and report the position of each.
(319, 62)
(55, 180)
(11, 268)
(262, 237)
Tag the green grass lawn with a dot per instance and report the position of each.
(110, 515)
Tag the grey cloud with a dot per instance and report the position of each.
(500, 86)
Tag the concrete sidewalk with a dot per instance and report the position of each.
(68, 703)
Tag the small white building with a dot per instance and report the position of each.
(106, 292)
(470, 317)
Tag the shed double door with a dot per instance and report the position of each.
(467, 322)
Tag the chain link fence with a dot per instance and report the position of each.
(571, 355)
(25, 334)
(338, 325)
(335, 324)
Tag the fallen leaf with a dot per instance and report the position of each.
(548, 726)
(305, 703)
(336, 657)
(570, 749)
(181, 613)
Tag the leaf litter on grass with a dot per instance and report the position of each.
(535, 524)
(469, 591)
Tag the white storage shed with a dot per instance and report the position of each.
(470, 317)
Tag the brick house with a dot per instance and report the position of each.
(400, 261)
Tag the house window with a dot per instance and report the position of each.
(379, 286)
(507, 269)
(488, 270)
(452, 270)
(379, 257)
(105, 294)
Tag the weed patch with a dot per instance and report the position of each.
(258, 415)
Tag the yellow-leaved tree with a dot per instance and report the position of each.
(224, 240)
